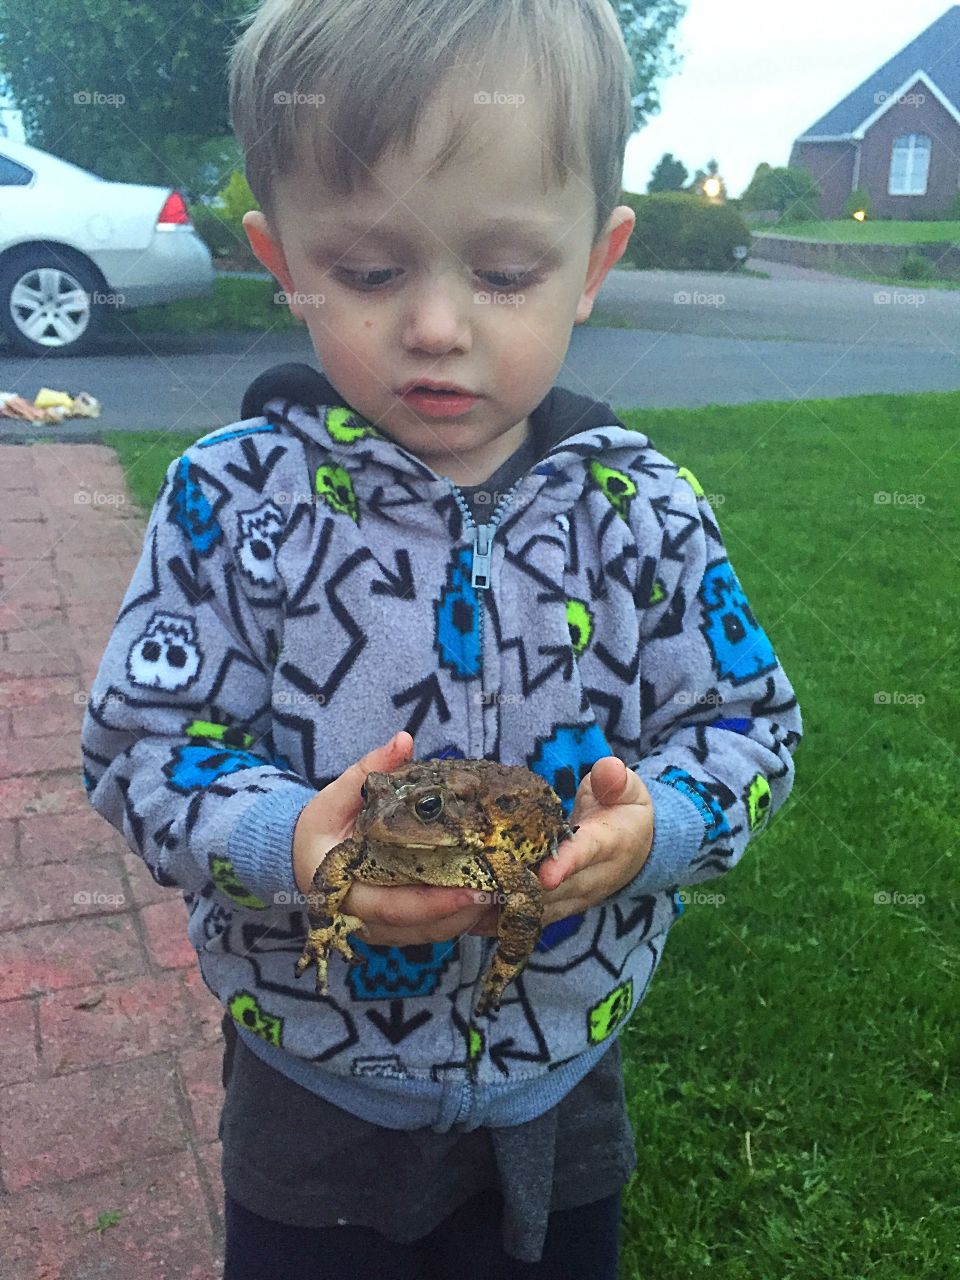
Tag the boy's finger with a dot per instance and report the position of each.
(488, 925)
(609, 783)
(393, 935)
(384, 932)
(405, 905)
(572, 851)
(553, 872)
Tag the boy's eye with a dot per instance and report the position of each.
(364, 279)
(511, 280)
(376, 278)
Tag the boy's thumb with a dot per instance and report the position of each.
(396, 752)
(342, 800)
(380, 760)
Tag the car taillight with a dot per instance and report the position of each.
(174, 211)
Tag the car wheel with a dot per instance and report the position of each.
(46, 304)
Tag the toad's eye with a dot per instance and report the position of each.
(363, 793)
(429, 806)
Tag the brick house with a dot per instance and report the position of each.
(897, 135)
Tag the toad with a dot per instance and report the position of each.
(474, 823)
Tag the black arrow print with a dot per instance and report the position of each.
(256, 473)
(597, 584)
(642, 912)
(671, 620)
(424, 693)
(394, 1027)
(192, 585)
(399, 584)
(503, 1051)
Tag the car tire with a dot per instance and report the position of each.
(55, 324)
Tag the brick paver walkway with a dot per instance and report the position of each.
(110, 1044)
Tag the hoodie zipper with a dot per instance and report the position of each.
(483, 533)
(481, 564)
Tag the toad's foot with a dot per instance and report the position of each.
(321, 941)
(503, 969)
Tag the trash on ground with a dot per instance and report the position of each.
(49, 406)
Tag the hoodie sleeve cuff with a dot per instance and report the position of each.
(260, 847)
(678, 831)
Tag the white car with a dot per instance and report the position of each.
(74, 247)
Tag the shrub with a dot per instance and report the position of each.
(859, 199)
(676, 231)
(791, 190)
(220, 223)
(798, 211)
(710, 238)
(212, 230)
(661, 219)
(916, 267)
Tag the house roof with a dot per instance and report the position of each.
(935, 51)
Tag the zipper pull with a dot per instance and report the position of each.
(482, 555)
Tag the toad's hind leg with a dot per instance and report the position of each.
(331, 883)
(520, 925)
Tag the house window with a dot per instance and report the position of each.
(910, 165)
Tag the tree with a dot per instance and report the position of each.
(136, 90)
(669, 175)
(791, 190)
(755, 183)
(648, 27)
(700, 177)
(125, 88)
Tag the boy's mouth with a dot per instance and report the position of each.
(431, 384)
(438, 401)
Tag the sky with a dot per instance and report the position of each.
(756, 74)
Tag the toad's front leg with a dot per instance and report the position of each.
(331, 883)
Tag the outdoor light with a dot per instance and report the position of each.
(861, 215)
(711, 188)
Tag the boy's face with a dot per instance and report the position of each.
(410, 281)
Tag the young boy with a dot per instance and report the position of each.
(356, 574)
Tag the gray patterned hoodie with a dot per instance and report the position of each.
(306, 589)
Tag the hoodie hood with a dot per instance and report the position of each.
(560, 415)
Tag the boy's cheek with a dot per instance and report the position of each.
(342, 348)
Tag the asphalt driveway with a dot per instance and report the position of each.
(693, 339)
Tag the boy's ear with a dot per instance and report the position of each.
(267, 249)
(608, 250)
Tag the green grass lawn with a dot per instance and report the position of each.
(849, 231)
(233, 304)
(792, 1073)
(896, 282)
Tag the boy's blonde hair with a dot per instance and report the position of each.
(377, 65)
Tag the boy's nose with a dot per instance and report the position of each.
(439, 317)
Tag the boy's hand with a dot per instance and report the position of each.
(614, 814)
(395, 915)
